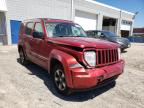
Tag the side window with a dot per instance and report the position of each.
(93, 34)
(28, 28)
(38, 31)
(90, 34)
(98, 34)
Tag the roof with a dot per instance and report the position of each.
(138, 30)
(108, 6)
(48, 19)
(56, 20)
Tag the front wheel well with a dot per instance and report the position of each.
(53, 63)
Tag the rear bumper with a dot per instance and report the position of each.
(89, 78)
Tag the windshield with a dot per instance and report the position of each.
(59, 29)
(109, 34)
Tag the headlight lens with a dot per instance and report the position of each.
(120, 43)
(119, 53)
(90, 57)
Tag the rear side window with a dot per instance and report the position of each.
(28, 28)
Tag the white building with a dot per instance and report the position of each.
(88, 13)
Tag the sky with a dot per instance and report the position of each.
(131, 6)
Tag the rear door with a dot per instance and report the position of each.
(39, 45)
(27, 37)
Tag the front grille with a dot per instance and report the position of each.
(106, 56)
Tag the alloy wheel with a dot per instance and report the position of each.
(22, 56)
(59, 78)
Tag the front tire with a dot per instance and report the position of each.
(122, 50)
(59, 80)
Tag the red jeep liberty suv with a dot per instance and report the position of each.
(75, 61)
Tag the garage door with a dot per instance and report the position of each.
(87, 20)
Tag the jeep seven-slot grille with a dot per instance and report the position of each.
(106, 56)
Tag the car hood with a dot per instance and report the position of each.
(119, 39)
(83, 42)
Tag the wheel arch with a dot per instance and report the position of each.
(53, 62)
(65, 60)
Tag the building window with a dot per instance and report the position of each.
(124, 22)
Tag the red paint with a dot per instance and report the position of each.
(41, 51)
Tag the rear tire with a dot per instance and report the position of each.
(22, 57)
(59, 80)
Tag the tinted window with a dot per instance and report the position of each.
(95, 34)
(90, 34)
(38, 31)
(98, 34)
(28, 28)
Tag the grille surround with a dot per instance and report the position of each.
(106, 57)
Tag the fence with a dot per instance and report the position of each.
(136, 39)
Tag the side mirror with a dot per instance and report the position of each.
(102, 36)
(38, 35)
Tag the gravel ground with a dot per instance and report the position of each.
(31, 86)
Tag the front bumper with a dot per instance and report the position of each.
(124, 46)
(88, 78)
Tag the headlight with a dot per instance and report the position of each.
(119, 53)
(90, 57)
(120, 43)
